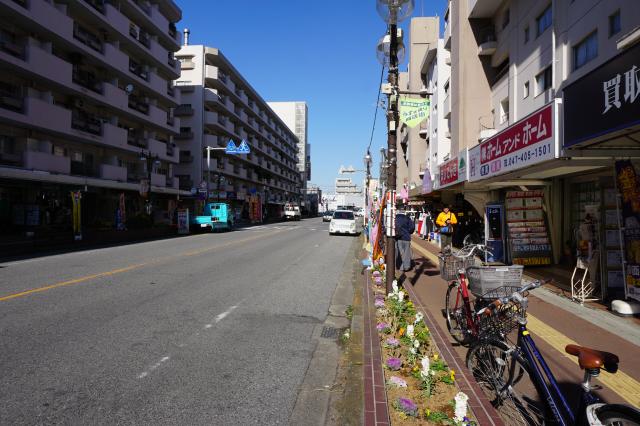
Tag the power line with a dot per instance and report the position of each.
(375, 116)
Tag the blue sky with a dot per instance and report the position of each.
(321, 52)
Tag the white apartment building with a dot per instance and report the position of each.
(294, 114)
(86, 101)
(219, 105)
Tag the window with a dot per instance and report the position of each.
(526, 34)
(526, 90)
(544, 21)
(586, 50)
(543, 81)
(505, 19)
(614, 23)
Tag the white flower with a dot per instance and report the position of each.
(390, 295)
(416, 344)
(410, 330)
(461, 406)
(426, 367)
(412, 350)
(400, 296)
(419, 317)
(394, 285)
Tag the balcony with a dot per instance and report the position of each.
(87, 38)
(183, 135)
(98, 5)
(138, 69)
(11, 97)
(183, 110)
(35, 160)
(488, 42)
(137, 138)
(157, 148)
(172, 182)
(210, 118)
(109, 172)
(486, 133)
(185, 183)
(483, 8)
(185, 158)
(86, 79)
(447, 35)
(139, 104)
(85, 122)
(158, 179)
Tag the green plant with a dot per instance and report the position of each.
(349, 312)
(437, 416)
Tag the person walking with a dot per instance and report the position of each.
(446, 222)
(404, 229)
(427, 225)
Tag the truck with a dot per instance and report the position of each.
(292, 212)
(215, 216)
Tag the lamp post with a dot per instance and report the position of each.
(392, 12)
(367, 165)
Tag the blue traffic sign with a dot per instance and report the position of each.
(231, 147)
(243, 148)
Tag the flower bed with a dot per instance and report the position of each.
(420, 387)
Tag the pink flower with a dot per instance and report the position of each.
(394, 364)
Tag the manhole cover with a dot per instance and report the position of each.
(330, 332)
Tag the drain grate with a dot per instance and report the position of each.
(330, 332)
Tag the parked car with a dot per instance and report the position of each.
(292, 212)
(343, 222)
(326, 217)
(215, 216)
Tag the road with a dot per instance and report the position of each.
(203, 329)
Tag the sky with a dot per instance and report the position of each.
(320, 52)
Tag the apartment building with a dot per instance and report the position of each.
(219, 105)
(294, 115)
(86, 101)
(535, 89)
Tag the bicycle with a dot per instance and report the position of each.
(515, 376)
(462, 323)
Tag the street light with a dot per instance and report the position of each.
(392, 12)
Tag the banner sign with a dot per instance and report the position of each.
(529, 240)
(427, 184)
(613, 93)
(413, 110)
(629, 188)
(183, 221)
(529, 141)
(76, 201)
(453, 171)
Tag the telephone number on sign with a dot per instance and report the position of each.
(516, 159)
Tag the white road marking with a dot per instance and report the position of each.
(313, 229)
(208, 326)
(225, 313)
(153, 367)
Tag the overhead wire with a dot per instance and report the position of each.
(375, 116)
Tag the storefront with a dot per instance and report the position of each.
(602, 123)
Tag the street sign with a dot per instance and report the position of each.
(231, 147)
(243, 148)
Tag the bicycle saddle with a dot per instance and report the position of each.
(594, 359)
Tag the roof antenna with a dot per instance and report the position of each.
(186, 33)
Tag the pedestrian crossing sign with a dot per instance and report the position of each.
(243, 148)
(231, 147)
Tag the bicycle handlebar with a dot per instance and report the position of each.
(517, 297)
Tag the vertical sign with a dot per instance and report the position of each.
(76, 197)
(629, 189)
(528, 235)
(183, 221)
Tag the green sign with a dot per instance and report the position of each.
(413, 110)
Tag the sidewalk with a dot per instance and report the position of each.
(555, 321)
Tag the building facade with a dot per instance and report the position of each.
(86, 106)
(219, 105)
(294, 115)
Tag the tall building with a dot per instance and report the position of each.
(86, 101)
(294, 115)
(219, 105)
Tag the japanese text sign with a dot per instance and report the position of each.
(413, 110)
(527, 142)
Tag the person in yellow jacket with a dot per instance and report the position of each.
(446, 222)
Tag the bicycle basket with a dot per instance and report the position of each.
(483, 279)
(450, 265)
(502, 320)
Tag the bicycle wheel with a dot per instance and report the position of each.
(613, 415)
(504, 378)
(456, 314)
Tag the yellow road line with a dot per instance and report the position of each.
(621, 383)
(127, 268)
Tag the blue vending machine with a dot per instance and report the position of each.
(494, 231)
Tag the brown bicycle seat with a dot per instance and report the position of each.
(592, 358)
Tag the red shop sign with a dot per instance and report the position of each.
(449, 172)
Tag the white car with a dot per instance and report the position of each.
(343, 222)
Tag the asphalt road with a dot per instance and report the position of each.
(204, 329)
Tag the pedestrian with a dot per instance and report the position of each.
(446, 222)
(427, 225)
(404, 229)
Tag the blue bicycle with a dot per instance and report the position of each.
(520, 384)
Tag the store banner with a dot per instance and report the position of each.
(453, 171)
(529, 141)
(183, 221)
(427, 184)
(605, 100)
(76, 200)
(413, 110)
(629, 188)
(529, 241)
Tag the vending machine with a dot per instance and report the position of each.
(494, 232)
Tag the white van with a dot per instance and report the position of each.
(292, 212)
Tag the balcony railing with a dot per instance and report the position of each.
(170, 90)
(8, 44)
(97, 5)
(138, 104)
(11, 97)
(146, 8)
(171, 149)
(171, 60)
(81, 168)
(138, 69)
(81, 120)
(136, 138)
(87, 79)
(144, 39)
(87, 38)
(173, 31)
